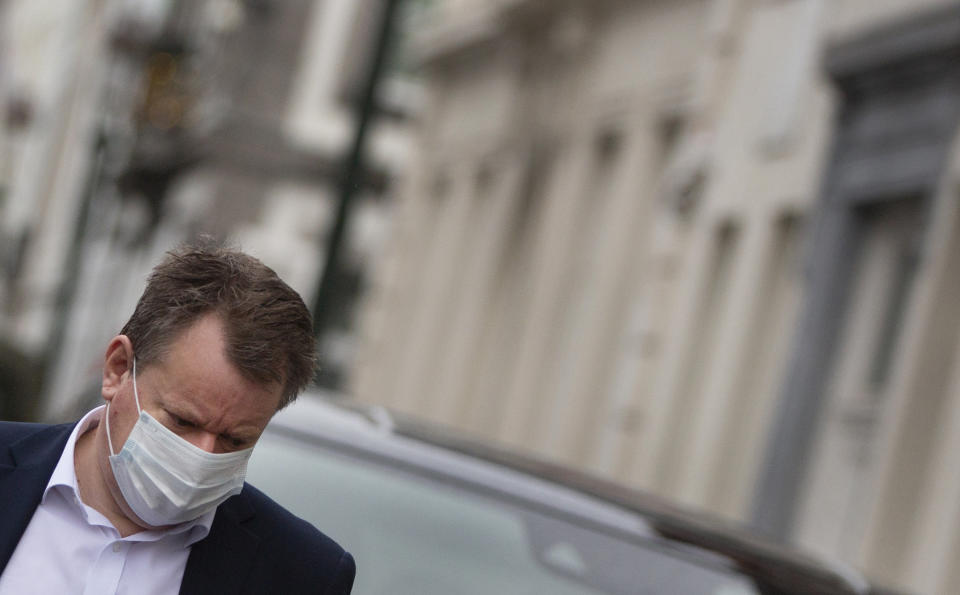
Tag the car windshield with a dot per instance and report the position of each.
(415, 535)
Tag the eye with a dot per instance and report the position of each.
(234, 442)
(180, 422)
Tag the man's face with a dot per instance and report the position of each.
(196, 393)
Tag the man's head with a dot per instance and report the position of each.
(218, 344)
(268, 332)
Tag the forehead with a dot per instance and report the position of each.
(196, 373)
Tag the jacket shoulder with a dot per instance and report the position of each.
(37, 443)
(13, 431)
(275, 521)
(297, 547)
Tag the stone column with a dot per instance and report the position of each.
(669, 401)
(935, 540)
(464, 330)
(523, 405)
(588, 356)
(445, 256)
(714, 413)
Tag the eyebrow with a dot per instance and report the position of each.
(189, 417)
(240, 437)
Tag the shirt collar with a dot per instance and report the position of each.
(64, 477)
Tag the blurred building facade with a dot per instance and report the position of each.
(706, 247)
(135, 124)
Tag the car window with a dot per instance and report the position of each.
(412, 535)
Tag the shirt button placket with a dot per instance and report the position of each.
(104, 577)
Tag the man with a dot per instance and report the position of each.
(145, 494)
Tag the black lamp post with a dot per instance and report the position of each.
(352, 176)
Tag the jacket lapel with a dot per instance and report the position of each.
(220, 562)
(23, 479)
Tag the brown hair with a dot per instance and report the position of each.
(268, 329)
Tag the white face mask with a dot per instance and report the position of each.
(165, 479)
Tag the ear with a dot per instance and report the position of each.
(117, 362)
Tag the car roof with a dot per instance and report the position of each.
(374, 432)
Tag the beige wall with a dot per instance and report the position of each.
(599, 258)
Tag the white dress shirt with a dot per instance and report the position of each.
(69, 547)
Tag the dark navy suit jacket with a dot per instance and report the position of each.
(254, 545)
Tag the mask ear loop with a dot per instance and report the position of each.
(136, 398)
(135, 395)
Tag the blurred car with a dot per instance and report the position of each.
(429, 514)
